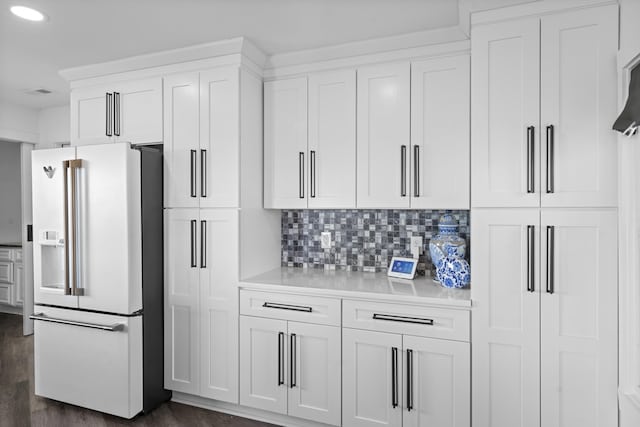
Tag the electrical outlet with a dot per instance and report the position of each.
(325, 240)
(416, 246)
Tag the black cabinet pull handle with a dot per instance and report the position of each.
(292, 361)
(193, 243)
(403, 169)
(531, 258)
(394, 377)
(550, 258)
(203, 173)
(313, 173)
(301, 174)
(416, 171)
(287, 307)
(409, 379)
(280, 358)
(109, 112)
(531, 186)
(405, 319)
(193, 173)
(203, 244)
(116, 113)
(550, 159)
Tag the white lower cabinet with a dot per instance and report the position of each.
(395, 379)
(289, 367)
(545, 317)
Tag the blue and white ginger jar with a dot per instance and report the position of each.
(446, 243)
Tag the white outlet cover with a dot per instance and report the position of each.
(416, 246)
(325, 240)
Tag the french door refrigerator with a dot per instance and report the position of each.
(98, 277)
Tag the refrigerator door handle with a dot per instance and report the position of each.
(65, 169)
(111, 328)
(74, 166)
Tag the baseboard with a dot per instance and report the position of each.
(243, 411)
(9, 309)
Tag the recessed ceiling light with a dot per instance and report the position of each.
(27, 13)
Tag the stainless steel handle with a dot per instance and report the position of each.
(550, 159)
(416, 171)
(193, 244)
(531, 258)
(203, 244)
(403, 169)
(292, 361)
(65, 170)
(116, 113)
(194, 153)
(74, 165)
(111, 328)
(280, 358)
(405, 319)
(287, 307)
(109, 113)
(313, 173)
(409, 379)
(394, 377)
(550, 258)
(203, 173)
(301, 175)
(531, 186)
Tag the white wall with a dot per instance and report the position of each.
(10, 193)
(18, 123)
(629, 30)
(53, 125)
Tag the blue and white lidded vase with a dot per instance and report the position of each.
(446, 243)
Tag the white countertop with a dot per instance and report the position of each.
(359, 284)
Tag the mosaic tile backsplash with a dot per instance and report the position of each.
(362, 240)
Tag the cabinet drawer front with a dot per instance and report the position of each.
(6, 272)
(6, 293)
(406, 319)
(301, 308)
(6, 254)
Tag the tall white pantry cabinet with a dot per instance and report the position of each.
(544, 220)
(213, 142)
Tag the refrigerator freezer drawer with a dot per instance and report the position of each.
(89, 359)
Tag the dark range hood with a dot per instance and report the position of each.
(629, 119)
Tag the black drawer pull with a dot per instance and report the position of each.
(405, 319)
(287, 307)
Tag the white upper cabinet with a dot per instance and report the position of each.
(383, 160)
(544, 94)
(440, 133)
(332, 140)
(128, 111)
(285, 144)
(202, 144)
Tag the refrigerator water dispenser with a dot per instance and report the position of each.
(52, 256)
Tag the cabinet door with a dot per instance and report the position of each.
(285, 144)
(368, 378)
(19, 284)
(505, 321)
(578, 98)
(220, 138)
(181, 330)
(579, 318)
(505, 101)
(440, 133)
(315, 387)
(383, 144)
(263, 363)
(218, 264)
(90, 123)
(138, 111)
(332, 140)
(437, 376)
(181, 141)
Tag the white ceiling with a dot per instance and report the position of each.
(82, 32)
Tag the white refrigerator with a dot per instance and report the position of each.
(98, 277)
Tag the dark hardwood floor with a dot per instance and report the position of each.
(20, 407)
